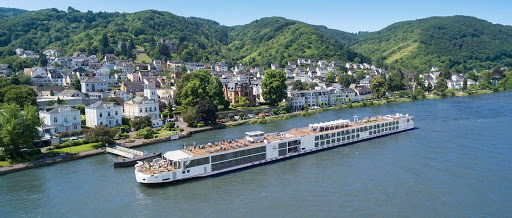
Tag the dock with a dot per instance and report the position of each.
(125, 152)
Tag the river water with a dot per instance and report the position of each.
(457, 162)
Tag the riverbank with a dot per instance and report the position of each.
(188, 131)
(50, 161)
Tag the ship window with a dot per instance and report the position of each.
(374, 131)
(339, 134)
(407, 120)
(343, 138)
(338, 139)
(370, 132)
(328, 142)
(316, 144)
(282, 152)
(352, 137)
(322, 143)
(333, 141)
(317, 138)
(357, 135)
(333, 134)
(357, 130)
(353, 130)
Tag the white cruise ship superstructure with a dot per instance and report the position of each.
(259, 147)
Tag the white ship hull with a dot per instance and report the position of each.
(307, 144)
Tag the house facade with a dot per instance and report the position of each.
(60, 119)
(146, 105)
(234, 89)
(103, 113)
(93, 85)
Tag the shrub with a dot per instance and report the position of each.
(241, 114)
(231, 116)
(2, 157)
(201, 125)
(256, 112)
(265, 111)
(169, 126)
(275, 111)
(146, 133)
(63, 134)
(220, 117)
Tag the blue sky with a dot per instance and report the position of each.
(351, 16)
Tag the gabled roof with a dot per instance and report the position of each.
(102, 104)
(92, 80)
(58, 108)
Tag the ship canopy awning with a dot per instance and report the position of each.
(255, 133)
(330, 123)
(176, 155)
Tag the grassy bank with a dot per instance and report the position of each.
(79, 148)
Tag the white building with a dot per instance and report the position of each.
(93, 85)
(320, 97)
(103, 114)
(60, 119)
(144, 106)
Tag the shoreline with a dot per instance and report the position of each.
(187, 133)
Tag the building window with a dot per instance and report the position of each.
(101, 114)
(55, 119)
(74, 117)
(108, 113)
(116, 113)
(140, 109)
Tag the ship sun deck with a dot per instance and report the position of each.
(192, 152)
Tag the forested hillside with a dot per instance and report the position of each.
(457, 43)
(260, 42)
(10, 12)
(277, 39)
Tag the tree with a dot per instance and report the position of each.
(465, 84)
(378, 86)
(101, 134)
(240, 101)
(22, 63)
(114, 71)
(139, 122)
(76, 84)
(312, 85)
(124, 49)
(52, 93)
(330, 77)
(104, 42)
(273, 86)
(206, 112)
(80, 107)
(18, 128)
(429, 87)
(346, 80)
(192, 93)
(146, 133)
(216, 94)
(20, 95)
(189, 116)
(42, 60)
(441, 85)
(284, 107)
(25, 79)
(297, 85)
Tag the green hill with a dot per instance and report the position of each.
(458, 43)
(260, 42)
(10, 12)
(277, 39)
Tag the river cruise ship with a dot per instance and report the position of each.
(259, 147)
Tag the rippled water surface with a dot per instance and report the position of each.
(457, 162)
